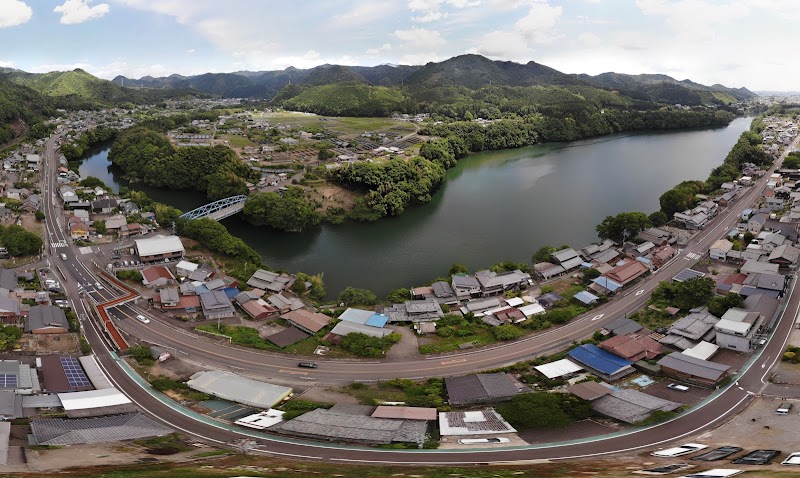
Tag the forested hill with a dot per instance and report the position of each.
(79, 89)
(20, 109)
(466, 71)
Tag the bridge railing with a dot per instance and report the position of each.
(213, 207)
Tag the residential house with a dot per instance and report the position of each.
(270, 281)
(169, 296)
(754, 267)
(157, 276)
(46, 319)
(657, 236)
(259, 309)
(216, 305)
(785, 255)
(114, 224)
(78, 230)
(773, 285)
(627, 272)
(185, 268)
(159, 248)
(756, 223)
(632, 347)
(600, 362)
(482, 388)
(736, 329)
(720, 249)
(662, 255)
(567, 258)
(466, 287)
(310, 322)
(104, 206)
(10, 310)
(129, 230)
(687, 331)
(774, 203)
(493, 283)
(284, 304)
(693, 370)
(414, 311)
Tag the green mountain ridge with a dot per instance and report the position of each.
(20, 108)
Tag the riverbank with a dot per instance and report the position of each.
(492, 206)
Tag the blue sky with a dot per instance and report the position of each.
(736, 43)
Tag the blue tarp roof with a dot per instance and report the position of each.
(586, 297)
(607, 283)
(598, 359)
(644, 260)
(231, 292)
(377, 320)
(200, 289)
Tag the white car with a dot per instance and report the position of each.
(142, 319)
(792, 459)
(99, 286)
(678, 387)
(475, 441)
(679, 450)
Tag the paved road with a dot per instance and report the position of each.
(281, 367)
(726, 404)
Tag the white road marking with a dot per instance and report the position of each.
(597, 317)
(640, 292)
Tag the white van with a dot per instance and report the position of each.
(475, 441)
(679, 450)
(784, 408)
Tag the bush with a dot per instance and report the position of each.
(506, 332)
(352, 295)
(129, 274)
(546, 289)
(142, 354)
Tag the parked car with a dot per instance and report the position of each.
(718, 453)
(679, 450)
(307, 365)
(784, 408)
(792, 459)
(475, 441)
(142, 319)
(678, 387)
(63, 257)
(757, 457)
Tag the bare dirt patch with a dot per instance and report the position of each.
(331, 195)
(50, 343)
(325, 395)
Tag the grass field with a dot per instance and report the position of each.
(343, 125)
(236, 141)
(482, 336)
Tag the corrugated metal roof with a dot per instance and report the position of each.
(589, 390)
(405, 413)
(229, 386)
(598, 359)
(344, 328)
(558, 368)
(96, 376)
(107, 397)
(694, 366)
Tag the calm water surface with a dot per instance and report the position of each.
(494, 206)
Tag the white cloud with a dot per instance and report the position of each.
(588, 38)
(6, 64)
(190, 51)
(363, 13)
(697, 19)
(538, 24)
(14, 12)
(430, 10)
(382, 49)
(79, 11)
(420, 39)
(503, 44)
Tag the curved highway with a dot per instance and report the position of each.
(710, 414)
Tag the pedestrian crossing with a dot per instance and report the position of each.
(692, 256)
(58, 244)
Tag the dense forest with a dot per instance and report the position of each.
(21, 109)
(148, 156)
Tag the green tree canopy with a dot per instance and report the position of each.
(542, 410)
(658, 218)
(685, 295)
(718, 305)
(288, 212)
(398, 296)
(623, 226)
(352, 295)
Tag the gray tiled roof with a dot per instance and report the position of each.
(329, 425)
(46, 315)
(481, 388)
(59, 431)
(694, 366)
(631, 406)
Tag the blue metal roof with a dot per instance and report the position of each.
(377, 320)
(586, 297)
(200, 289)
(231, 292)
(607, 283)
(598, 359)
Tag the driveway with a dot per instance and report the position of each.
(407, 348)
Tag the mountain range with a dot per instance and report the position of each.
(469, 71)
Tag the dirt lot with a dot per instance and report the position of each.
(332, 195)
(101, 454)
(50, 343)
(407, 348)
(324, 395)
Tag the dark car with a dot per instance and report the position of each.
(757, 457)
(718, 453)
(307, 365)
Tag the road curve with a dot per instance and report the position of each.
(723, 405)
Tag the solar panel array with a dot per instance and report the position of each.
(8, 380)
(76, 377)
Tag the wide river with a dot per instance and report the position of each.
(494, 206)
